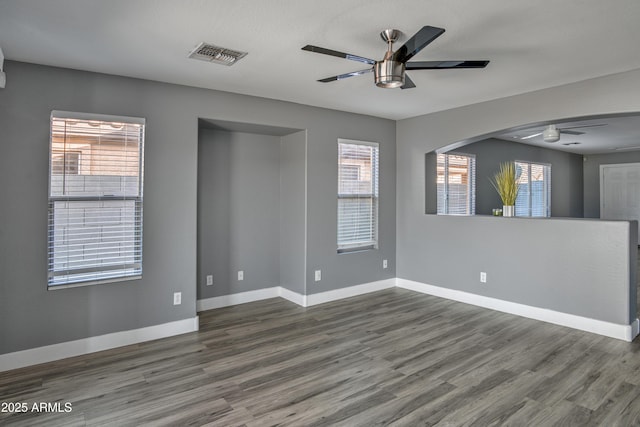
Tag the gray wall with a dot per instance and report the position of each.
(420, 253)
(566, 175)
(575, 266)
(592, 164)
(238, 211)
(39, 317)
(347, 269)
(293, 212)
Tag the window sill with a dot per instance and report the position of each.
(358, 249)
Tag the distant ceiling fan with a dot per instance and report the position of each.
(552, 133)
(390, 71)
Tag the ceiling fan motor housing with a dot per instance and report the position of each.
(389, 74)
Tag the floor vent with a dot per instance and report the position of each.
(219, 55)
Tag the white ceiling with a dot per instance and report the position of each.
(531, 45)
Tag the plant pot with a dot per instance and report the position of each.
(508, 210)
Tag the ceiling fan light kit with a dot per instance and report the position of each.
(551, 134)
(390, 72)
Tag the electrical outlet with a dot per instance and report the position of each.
(384, 263)
(209, 280)
(318, 275)
(483, 277)
(177, 298)
(240, 275)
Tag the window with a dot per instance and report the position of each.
(534, 189)
(95, 199)
(357, 195)
(456, 184)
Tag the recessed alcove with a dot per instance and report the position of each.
(251, 207)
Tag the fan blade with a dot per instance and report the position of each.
(531, 136)
(324, 51)
(571, 132)
(584, 126)
(444, 65)
(408, 83)
(344, 76)
(416, 43)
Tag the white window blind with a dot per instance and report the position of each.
(456, 184)
(95, 199)
(357, 195)
(534, 189)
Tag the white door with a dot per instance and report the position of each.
(620, 192)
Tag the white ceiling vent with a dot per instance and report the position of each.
(219, 55)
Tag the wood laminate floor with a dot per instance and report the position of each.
(393, 357)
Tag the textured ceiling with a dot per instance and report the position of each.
(531, 45)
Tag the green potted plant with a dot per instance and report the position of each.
(505, 181)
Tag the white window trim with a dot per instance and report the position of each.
(52, 199)
(472, 184)
(547, 184)
(356, 247)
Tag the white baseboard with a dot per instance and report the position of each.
(302, 300)
(63, 350)
(351, 291)
(294, 297)
(235, 299)
(49, 353)
(612, 330)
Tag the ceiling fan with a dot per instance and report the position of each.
(552, 133)
(390, 71)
